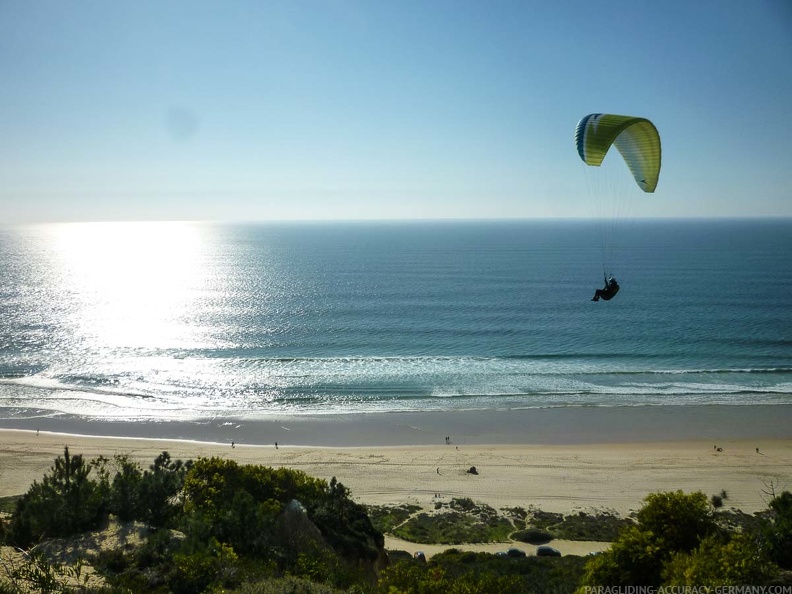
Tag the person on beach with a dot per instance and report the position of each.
(609, 292)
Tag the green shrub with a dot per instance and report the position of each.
(386, 518)
(467, 572)
(286, 585)
(454, 528)
(720, 562)
(65, 502)
(214, 566)
(677, 521)
(8, 504)
(778, 530)
(158, 504)
(583, 526)
(541, 519)
(676, 539)
(37, 574)
(125, 491)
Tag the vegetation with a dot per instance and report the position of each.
(456, 572)
(8, 504)
(65, 502)
(213, 525)
(678, 542)
(601, 526)
(533, 536)
(459, 521)
(386, 518)
(777, 532)
(37, 574)
(235, 524)
(287, 585)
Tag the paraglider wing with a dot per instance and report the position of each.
(636, 139)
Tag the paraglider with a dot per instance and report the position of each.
(638, 142)
(609, 292)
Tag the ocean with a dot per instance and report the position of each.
(194, 321)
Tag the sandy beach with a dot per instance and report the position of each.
(558, 478)
(556, 460)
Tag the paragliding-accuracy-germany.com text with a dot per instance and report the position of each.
(687, 589)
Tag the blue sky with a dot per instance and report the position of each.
(347, 109)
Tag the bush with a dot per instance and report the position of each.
(778, 531)
(240, 522)
(213, 566)
(677, 543)
(65, 502)
(668, 524)
(125, 491)
(386, 518)
(290, 585)
(633, 559)
(467, 572)
(37, 574)
(582, 526)
(677, 521)
(720, 562)
(158, 504)
(454, 528)
(281, 513)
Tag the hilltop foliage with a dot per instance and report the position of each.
(213, 525)
(678, 542)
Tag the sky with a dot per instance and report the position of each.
(368, 109)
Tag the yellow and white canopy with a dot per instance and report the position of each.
(636, 138)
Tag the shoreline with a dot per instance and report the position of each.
(542, 426)
(555, 478)
(558, 460)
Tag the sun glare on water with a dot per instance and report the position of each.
(133, 285)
